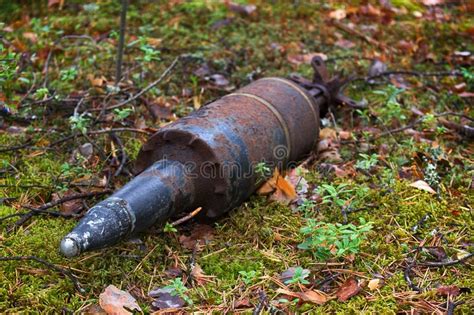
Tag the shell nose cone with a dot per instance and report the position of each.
(69, 247)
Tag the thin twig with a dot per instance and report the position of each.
(54, 203)
(123, 23)
(187, 217)
(146, 89)
(406, 275)
(63, 271)
(96, 132)
(445, 263)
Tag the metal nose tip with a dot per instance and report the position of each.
(69, 247)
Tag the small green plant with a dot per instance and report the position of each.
(263, 171)
(307, 207)
(79, 122)
(429, 120)
(149, 52)
(326, 239)
(169, 228)
(248, 277)
(299, 276)
(334, 194)
(8, 70)
(391, 108)
(69, 74)
(177, 288)
(122, 113)
(367, 161)
(41, 93)
(468, 75)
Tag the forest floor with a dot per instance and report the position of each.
(383, 220)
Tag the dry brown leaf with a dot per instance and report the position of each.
(311, 296)
(96, 81)
(448, 290)
(348, 289)
(281, 190)
(422, 185)
(201, 233)
(328, 133)
(198, 274)
(117, 302)
(314, 296)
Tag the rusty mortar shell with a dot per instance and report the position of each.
(206, 159)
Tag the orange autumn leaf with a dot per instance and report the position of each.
(281, 190)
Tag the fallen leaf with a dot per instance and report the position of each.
(345, 135)
(281, 190)
(314, 296)
(422, 185)
(348, 289)
(117, 302)
(449, 290)
(165, 300)
(199, 276)
(155, 42)
(338, 14)
(96, 81)
(328, 133)
(201, 233)
(68, 207)
(311, 296)
(374, 284)
(242, 303)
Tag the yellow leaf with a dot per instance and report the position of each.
(374, 284)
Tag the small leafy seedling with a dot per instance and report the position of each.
(262, 170)
(367, 161)
(327, 239)
(169, 228)
(121, 114)
(334, 194)
(299, 276)
(248, 277)
(177, 288)
(79, 122)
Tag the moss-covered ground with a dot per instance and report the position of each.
(260, 236)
